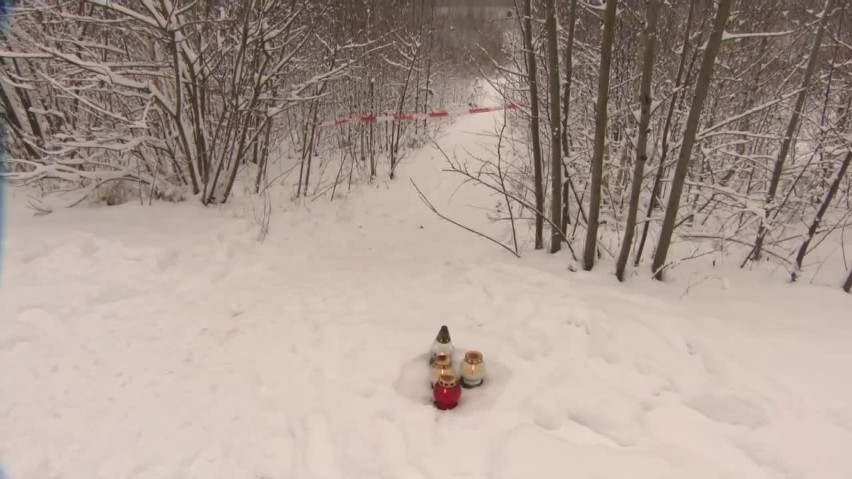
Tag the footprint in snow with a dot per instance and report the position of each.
(317, 448)
(114, 293)
(394, 448)
(206, 462)
(548, 413)
(166, 259)
(532, 344)
(23, 327)
(618, 423)
(729, 408)
(10, 342)
(765, 459)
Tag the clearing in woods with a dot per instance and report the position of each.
(166, 341)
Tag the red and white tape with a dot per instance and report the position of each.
(415, 116)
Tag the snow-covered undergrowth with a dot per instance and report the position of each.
(168, 342)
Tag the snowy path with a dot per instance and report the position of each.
(166, 342)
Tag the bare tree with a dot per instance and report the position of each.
(566, 104)
(705, 75)
(656, 189)
(820, 215)
(557, 234)
(600, 135)
(649, 36)
(532, 72)
(791, 128)
(188, 96)
(847, 286)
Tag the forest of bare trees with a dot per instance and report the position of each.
(170, 99)
(709, 125)
(650, 132)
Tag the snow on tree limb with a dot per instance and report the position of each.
(728, 36)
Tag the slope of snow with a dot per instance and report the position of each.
(167, 342)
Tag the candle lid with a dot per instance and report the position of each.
(443, 360)
(473, 357)
(447, 380)
(443, 335)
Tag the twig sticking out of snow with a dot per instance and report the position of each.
(444, 217)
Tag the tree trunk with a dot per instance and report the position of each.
(396, 132)
(847, 286)
(566, 103)
(791, 130)
(556, 234)
(429, 55)
(264, 157)
(27, 104)
(600, 136)
(15, 124)
(826, 202)
(705, 74)
(648, 45)
(569, 59)
(661, 167)
(372, 132)
(534, 126)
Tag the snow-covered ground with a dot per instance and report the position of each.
(167, 342)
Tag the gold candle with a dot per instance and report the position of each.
(472, 370)
(443, 365)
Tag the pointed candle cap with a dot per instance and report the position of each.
(443, 335)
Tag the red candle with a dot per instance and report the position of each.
(447, 392)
